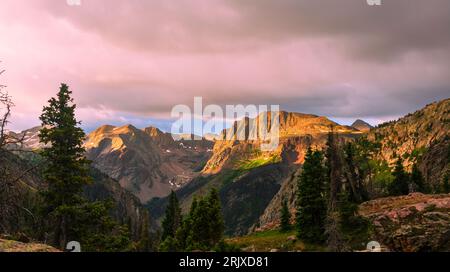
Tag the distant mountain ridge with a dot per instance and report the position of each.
(147, 162)
(362, 125)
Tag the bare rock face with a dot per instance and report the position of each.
(297, 132)
(29, 137)
(412, 223)
(160, 138)
(128, 155)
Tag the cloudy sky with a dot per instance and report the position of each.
(131, 61)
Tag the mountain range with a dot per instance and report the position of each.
(252, 183)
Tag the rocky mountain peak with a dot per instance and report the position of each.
(159, 137)
(361, 125)
(153, 131)
(291, 124)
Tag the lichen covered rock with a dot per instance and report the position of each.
(412, 223)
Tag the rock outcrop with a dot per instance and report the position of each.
(412, 223)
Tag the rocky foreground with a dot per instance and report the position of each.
(14, 246)
(411, 223)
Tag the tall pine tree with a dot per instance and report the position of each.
(67, 214)
(172, 219)
(417, 180)
(145, 243)
(67, 168)
(201, 229)
(285, 214)
(400, 184)
(445, 183)
(216, 219)
(311, 205)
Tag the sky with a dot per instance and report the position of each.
(131, 61)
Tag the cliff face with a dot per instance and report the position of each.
(297, 131)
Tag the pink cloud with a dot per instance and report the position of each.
(142, 57)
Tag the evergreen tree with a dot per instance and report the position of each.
(184, 235)
(417, 180)
(144, 236)
(97, 231)
(67, 214)
(217, 225)
(446, 184)
(285, 217)
(170, 244)
(201, 229)
(354, 228)
(400, 184)
(311, 206)
(354, 172)
(201, 226)
(172, 219)
(67, 167)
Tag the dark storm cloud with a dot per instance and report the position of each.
(392, 29)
